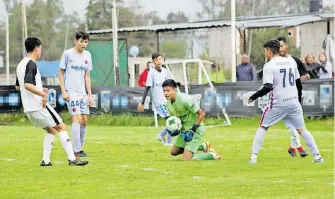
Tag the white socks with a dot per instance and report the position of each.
(76, 137)
(47, 147)
(67, 145)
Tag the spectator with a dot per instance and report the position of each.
(326, 64)
(142, 79)
(216, 75)
(246, 71)
(312, 67)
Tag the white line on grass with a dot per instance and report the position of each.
(7, 159)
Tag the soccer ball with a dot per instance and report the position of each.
(173, 125)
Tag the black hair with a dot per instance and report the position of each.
(282, 39)
(155, 55)
(31, 43)
(82, 35)
(169, 82)
(272, 45)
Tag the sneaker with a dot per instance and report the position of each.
(318, 159)
(77, 162)
(302, 152)
(214, 154)
(206, 146)
(161, 139)
(45, 165)
(292, 152)
(83, 154)
(253, 159)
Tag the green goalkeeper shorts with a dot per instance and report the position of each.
(194, 144)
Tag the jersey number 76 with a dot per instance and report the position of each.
(290, 77)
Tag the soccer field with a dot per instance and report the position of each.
(127, 162)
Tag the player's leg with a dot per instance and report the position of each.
(67, 146)
(75, 111)
(297, 120)
(40, 119)
(83, 126)
(162, 112)
(270, 117)
(76, 122)
(176, 150)
(85, 111)
(193, 146)
(295, 141)
(178, 147)
(54, 121)
(47, 146)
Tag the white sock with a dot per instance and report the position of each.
(67, 145)
(82, 136)
(76, 137)
(258, 140)
(310, 142)
(47, 147)
(295, 141)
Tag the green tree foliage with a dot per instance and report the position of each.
(259, 37)
(173, 49)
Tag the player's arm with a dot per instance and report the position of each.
(267, 84)
(62, 67)
(88, 87)
(17, 85)
(88, 82)
(194, 107)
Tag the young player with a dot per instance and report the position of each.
(295, 141)
(34, 100)
(280, 75)
(74, 80)
(190, 140)
(155, 79)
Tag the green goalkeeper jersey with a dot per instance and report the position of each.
(186, 109)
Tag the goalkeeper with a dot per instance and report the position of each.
(190, 139)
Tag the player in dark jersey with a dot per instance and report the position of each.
(295, 141)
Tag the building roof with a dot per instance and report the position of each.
(241, 22)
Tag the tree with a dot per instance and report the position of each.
(174, 49)
(178, 17)
(259, 37)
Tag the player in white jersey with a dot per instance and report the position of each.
(154, 82)
(279, 78)
(74, 79)
(35, 104)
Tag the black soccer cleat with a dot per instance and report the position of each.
(45, 165)
(78, 162)
(303, 154)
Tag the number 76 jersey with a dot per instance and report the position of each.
(282, 73)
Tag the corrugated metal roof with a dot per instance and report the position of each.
(241, 22)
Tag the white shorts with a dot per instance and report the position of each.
(45, 117)
(292, 116)
(78, 104)
(162, 111)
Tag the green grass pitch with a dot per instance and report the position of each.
(127, 162)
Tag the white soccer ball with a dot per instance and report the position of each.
(173, 123)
